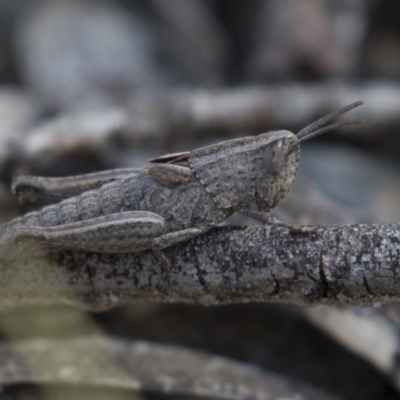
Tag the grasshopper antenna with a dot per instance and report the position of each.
(319, 127)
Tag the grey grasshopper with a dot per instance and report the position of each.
(181, 196)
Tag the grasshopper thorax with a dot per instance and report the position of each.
(241, 171)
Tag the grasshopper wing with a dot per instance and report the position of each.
(170, 175)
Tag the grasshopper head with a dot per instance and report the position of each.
(278, 153)
(276, 167)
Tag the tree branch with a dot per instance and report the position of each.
(143, 366)
(355, 265)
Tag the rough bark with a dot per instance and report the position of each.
(356, 265)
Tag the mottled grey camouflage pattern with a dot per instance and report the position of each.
(181, 196)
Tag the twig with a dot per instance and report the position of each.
(143, 366)
(355, 265)
(181, 112)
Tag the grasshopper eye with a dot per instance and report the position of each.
(277, 159)
(288, 154)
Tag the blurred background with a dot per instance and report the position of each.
(88, 85)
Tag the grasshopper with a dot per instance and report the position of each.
(179, 197)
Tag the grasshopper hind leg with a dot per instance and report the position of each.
(124, 232)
